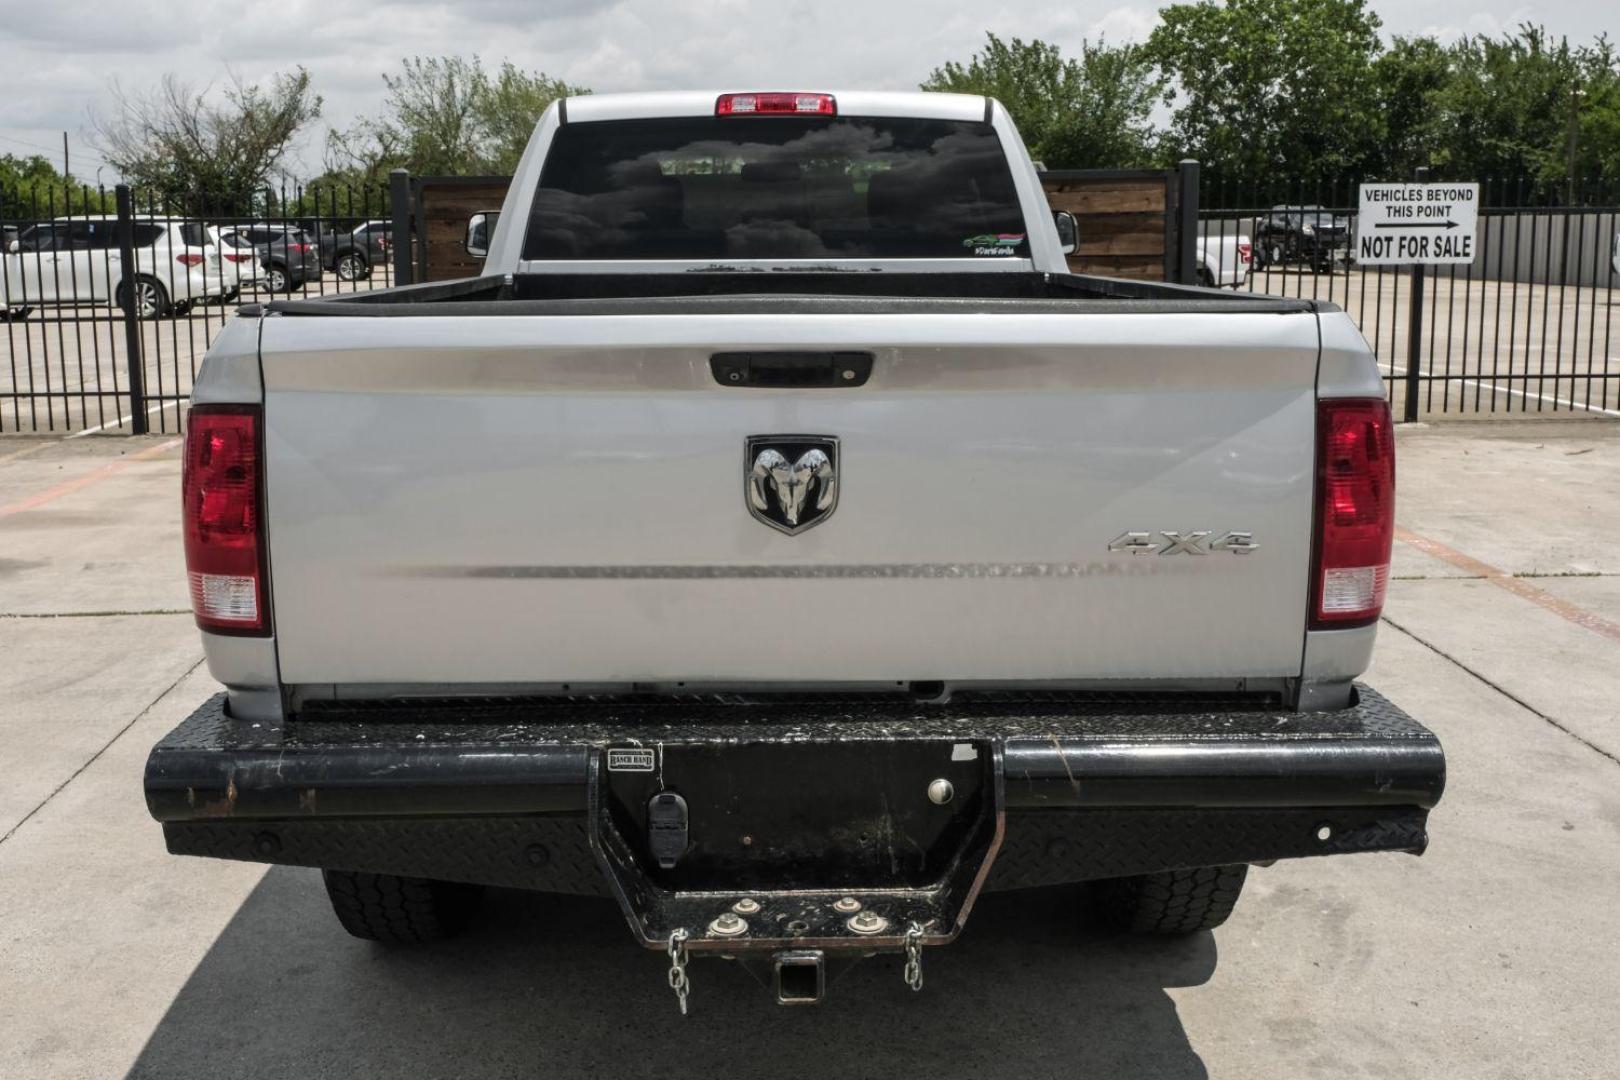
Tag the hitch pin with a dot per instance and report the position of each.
(678, 981)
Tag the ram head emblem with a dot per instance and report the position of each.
(792, 480)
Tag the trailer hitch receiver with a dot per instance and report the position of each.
(840, 847)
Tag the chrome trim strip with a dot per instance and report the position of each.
(931, 571)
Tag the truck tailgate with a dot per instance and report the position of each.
(561, 499)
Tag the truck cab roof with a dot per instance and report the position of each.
(644, 106)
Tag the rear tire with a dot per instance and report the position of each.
(400, 910)
(148, 298)
(352, 267)
(1171, 903)
(277, 280)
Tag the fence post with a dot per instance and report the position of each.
(132, 320)
(399, 206)
(1187, 232)
(1414, 329)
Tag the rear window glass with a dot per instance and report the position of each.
(774, 188)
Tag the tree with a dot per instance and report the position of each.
(1091, 112)
(1411, 77)
(206, 156)
(1511, 103)
(32, 187)
(446, 116)
(431, 107)
(507, 109)
(361, 156)
(1271, 88)
(1597, 111)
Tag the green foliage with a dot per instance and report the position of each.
(1267, 88)
(32, 187)
(1089, 112)
(1507, 108)
(430, 105)
(506, 110)
(184, 150)
(445, 116)
(1411, 76)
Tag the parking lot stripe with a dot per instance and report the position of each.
(68, 487)
(1486, 384)
(1517, 586)
(120, 422)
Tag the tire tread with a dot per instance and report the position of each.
(399, 910)
(1174, 902)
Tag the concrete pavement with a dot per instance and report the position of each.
(1491, 956)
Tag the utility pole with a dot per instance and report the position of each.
(1574, 138)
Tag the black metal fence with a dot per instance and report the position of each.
(1529, 326)
(110, 299)
(109, 304)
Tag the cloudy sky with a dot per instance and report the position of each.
(59, 58)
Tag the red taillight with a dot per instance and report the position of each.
(775, 104)
(238, 258)
(1246, 253)
(189, 258)
(1355, 513)
(297, 249)
(221, 517)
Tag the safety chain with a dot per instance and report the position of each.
(913, 974)
(678, 981)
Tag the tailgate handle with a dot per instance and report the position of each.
(791, 370)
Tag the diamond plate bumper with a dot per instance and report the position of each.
(518, 793)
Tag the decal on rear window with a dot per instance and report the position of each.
(994, 243)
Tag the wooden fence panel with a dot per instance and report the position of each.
(443, 205)
(1125, 216)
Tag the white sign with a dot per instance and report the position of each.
(1416, 223)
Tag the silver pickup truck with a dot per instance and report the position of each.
(777, 541)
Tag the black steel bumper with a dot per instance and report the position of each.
(1055, 788)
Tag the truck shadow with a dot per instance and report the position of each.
(552, 986)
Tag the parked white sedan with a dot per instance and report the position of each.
(76, 261)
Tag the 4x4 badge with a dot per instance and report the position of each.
(1192, 542)
(790, 482)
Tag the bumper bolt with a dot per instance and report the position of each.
(746, 906)
(867, 922)
(941, 792)
(728, 925)
(846, 905)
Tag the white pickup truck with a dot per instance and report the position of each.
(776, 540)
(1224, 261)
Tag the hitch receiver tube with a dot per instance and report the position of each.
(801, 977)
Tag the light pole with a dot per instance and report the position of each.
(1574, 136)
